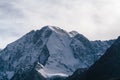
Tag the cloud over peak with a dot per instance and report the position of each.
(89, 17)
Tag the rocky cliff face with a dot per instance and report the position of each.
(60, 53)
(106, 68)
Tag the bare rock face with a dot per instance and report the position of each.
(106, 68)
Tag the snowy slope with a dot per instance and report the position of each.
(101, 46)
(60, 53)
(23, 53)
(61, 57)
(40, 69)
(106, 68)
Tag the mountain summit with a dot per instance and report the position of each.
(50, 52)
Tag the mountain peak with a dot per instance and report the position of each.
(51, 27)
(55, 29)
(47, 27)
(50, 46)
(73, 33)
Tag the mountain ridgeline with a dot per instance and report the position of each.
(106, 68)
(49, 53)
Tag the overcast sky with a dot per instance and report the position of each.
(96, 19)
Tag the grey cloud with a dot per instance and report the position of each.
(8, 10)
(9, 32)
(89, 17)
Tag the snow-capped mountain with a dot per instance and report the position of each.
(49, 52)
(106, 68)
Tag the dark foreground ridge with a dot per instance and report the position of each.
(106, 68)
